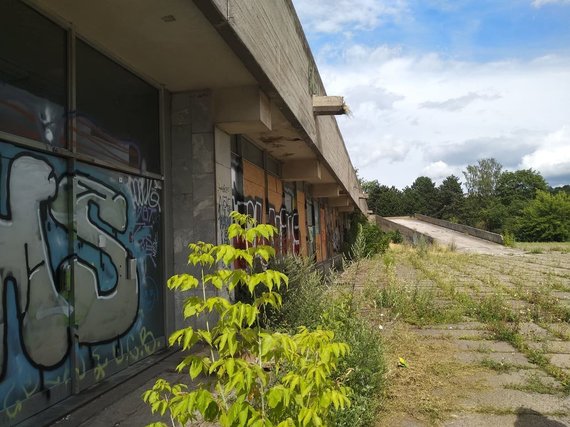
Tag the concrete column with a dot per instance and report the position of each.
(193, 181)
(223, 164)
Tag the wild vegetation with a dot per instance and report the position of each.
(432, 305)
(395, 307)
(255, 376)
(518, 204)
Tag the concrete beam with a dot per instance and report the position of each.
(240, 110)
(328, 105)
(301, 170)
(346, 209)
(337, 202)
(325, 190)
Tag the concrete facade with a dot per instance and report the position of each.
(170, 115)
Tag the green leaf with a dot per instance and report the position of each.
(196, 368)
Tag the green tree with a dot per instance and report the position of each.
(421, 196)
(450, 199)
(481, 179)
(546, 218)
(520, 185)
(260, 378)
(384, 200)
(562, 188)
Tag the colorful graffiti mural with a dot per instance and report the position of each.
(285, 218)
(81, 291)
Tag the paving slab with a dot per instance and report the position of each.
(501, 400)
(474, 326)
(562, 347)
(560, 360)
(532, 331)
(515, 420)
(484, 346)
(519, 377)
(454, 333)
(473, 357)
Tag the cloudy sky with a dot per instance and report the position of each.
(434, 85)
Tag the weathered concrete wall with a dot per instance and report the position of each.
(472, 231)
(410, 235)
(268, 36)
(193, 178)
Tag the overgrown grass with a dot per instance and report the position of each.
(502, 366)
(534, 383)
(544, 247)
(312, 300)
(501, 319)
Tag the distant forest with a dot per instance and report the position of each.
(517, 204)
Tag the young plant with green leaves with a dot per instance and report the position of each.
(259, 377)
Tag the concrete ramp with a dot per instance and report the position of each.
(446, 237)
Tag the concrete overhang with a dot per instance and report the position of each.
(325, 190)
(169, 42)
(329, 105)
(341, 201)
(184, 45)
(242, 110)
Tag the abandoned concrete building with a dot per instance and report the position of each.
(128, 130)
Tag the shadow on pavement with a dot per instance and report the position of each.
(528, 418)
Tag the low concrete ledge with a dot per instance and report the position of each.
(410, 235)
(471, 231)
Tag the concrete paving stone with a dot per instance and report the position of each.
(560, 360)
(461, 326)
(454, 333)
(484, 346)
(561, 295)
(532, 331)
(519, 378)
(515, 420)
(561, 328)
(562, 347)
(510, 400)
(507, 358)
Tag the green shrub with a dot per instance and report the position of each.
(364, 366)
(261, 378)
(509, 239)
(310, 299)
(396, 236)
(304, 300)
(546, 219)
(376, 241)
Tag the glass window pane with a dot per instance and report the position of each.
(33, 91)
(251, 153)
(117, 119)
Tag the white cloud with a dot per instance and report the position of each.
(552, 156)
(425, 114)
(320, 16)
(540, 3)
(457, 104)
(439, 170)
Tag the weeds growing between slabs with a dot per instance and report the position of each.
(436, 288)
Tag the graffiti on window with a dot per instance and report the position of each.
(103, 275)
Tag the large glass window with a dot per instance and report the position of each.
(118, 113)
(33, 89)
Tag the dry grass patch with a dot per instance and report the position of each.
(431, 385)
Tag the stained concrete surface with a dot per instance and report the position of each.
(462, 242)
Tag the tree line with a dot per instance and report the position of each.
(517, 204)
